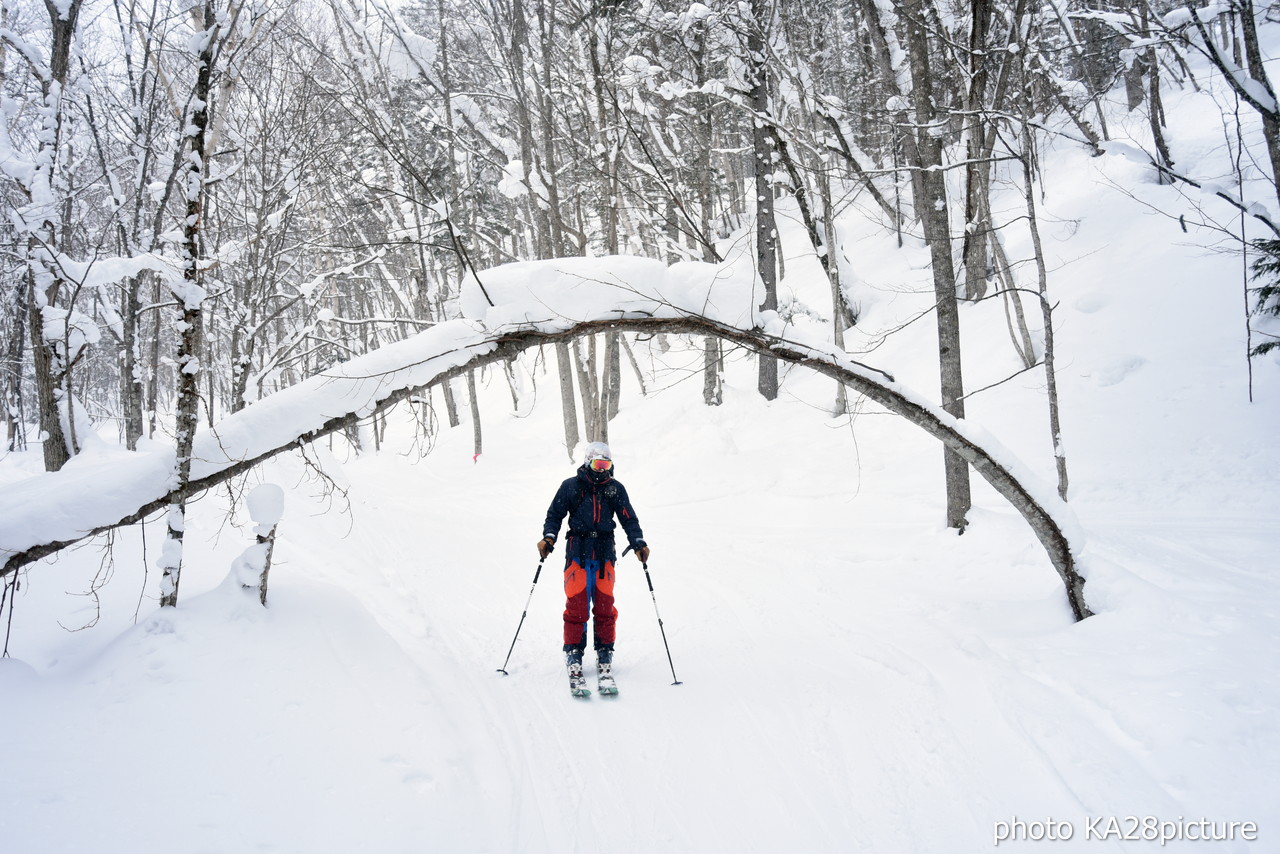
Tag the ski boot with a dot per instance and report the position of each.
(604, 668)
(577, 681)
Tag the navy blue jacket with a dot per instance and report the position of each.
(591, 501)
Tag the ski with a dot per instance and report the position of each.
(605, 682)
(577, 681)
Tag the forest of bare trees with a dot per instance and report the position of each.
(209, 200)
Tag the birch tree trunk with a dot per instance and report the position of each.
(191, 299)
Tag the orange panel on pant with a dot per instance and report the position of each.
(604, 580)
(575, 580)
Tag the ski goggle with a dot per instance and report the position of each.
(601, 464)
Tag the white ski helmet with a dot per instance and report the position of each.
(598, 451)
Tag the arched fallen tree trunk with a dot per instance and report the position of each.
(481, 348)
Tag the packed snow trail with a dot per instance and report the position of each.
(856, 678)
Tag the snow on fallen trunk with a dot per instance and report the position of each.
(94, 491)
(506, 310)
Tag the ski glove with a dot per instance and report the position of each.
(546, 546)
(643, 554)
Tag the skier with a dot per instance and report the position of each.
(591, 499)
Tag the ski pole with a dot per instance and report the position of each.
(503, 668)
(660, 628)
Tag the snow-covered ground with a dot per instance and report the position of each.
(855, 676)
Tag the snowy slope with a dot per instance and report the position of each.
(856, 677)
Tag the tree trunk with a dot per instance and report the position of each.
(15, 428)
(191, 299)
(840, 309)
(268, 544)
(446, 388)
(612, 381)
(450, 404)
(475, 414)
(1258, 71)
(130, 366)
(977, 170)
(241, 347)
(635, 365)
(1149, 63)
(763, 166)
(514, 383)
(15, 308)
(712, 372)
(1155, 113)
(45, 283)
(266, 506)
(584, 358)
(153, 359)
(1043, 519)
(568, 404)
(1050, 375)
(49, 395)
(609, 189)
(712, 363)
(611, 192)
(931, 206)
(1015, 316)
(550, 157)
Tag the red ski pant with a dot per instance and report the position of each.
(588, 590)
